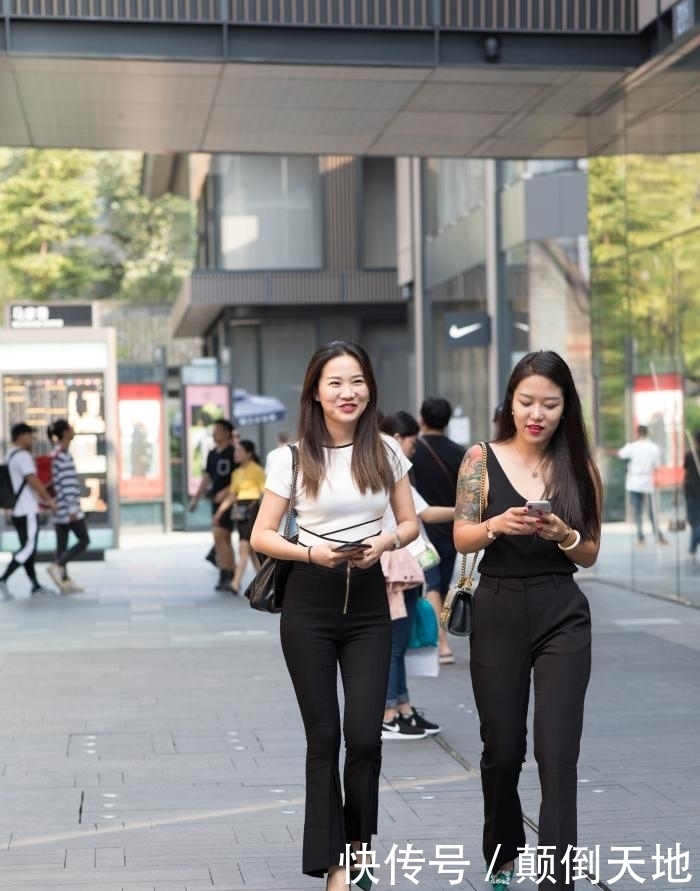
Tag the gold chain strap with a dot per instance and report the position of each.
(464, 580)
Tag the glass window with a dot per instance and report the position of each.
(644, 228)
(453, 188)
(269, 212)
(378, 213)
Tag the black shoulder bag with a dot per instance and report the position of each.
(456, 614)
(266, 591)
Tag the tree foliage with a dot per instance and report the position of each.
(74, 225)
(644, 230)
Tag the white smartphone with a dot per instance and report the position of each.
(538, 507)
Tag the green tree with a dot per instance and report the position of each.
(644, 229)
(47, 211)
(644, 234)
(74, 225)
(150, 240)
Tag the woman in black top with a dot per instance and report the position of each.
(530, 616)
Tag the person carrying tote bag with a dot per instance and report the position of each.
(335, 612)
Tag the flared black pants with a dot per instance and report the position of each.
(539, 626)
(317, 638)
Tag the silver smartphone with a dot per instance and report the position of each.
(538, 507)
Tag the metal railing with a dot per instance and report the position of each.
(539, 16)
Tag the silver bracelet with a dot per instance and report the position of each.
(577, 541)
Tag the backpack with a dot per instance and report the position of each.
(44, 472)
(8, 496)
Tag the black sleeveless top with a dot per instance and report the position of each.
(517, 556)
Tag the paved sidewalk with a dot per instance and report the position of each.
(150, 741)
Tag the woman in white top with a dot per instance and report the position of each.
(335, 610)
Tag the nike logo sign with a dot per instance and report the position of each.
(457, 332)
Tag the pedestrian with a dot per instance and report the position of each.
(68, 516)
(643, 457)
(401, 720)
(245, 491)
(436, 464)
(282, 442)
(214, 484)
(30, 492)
(691, 490)
(530, 617)
(335, 610)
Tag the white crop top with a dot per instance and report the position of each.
(339, 504)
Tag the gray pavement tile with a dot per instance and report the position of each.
(188, 746)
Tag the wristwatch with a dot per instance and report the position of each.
(490, 534)
(397, 541)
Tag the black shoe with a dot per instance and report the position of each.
(416, 719)
(211, 556)
(400, 729)
(224, 583)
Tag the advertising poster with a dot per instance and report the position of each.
(40, 399)
(204, 404)
(140, 455)
(657, 402)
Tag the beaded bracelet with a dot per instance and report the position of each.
(576, 541)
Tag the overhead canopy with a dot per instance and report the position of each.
(164, 81)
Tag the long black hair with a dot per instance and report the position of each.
(371, 469)
(572, 480)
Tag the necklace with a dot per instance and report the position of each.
(534, 473)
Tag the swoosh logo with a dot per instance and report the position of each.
(456, 332)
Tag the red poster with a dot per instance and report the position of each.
(141, 472)
(658, 404)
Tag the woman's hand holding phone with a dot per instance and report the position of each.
(351, 547)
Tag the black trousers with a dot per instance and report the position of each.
(79, 529)
(317, 638)
(539, 626)
(28, 533)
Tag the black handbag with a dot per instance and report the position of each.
(457, 611)
(266, 591)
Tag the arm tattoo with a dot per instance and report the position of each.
(469, 487)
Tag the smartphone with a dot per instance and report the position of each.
(351, 546)
(538, 507)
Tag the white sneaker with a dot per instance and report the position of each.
(68, 587)
(56, 574)
(5, 592)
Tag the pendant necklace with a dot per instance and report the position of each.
(534, 473)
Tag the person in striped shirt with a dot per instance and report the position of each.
(68, 516)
